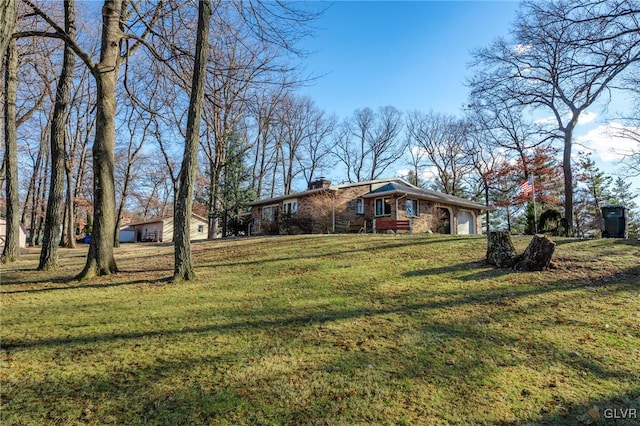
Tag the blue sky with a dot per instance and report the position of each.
(415, 55)
(411, 55)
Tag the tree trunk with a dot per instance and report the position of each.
(38, 206)
(500, 250)
(70, 211)
(212, 216)
(486, 202)
(100, 260)
(11, 251)
(30, 199)
(8, 19)
(568, 179)
(537, 255)
(53, 221)
(123, 200)
(183, 267)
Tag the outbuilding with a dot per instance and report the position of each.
(22, 238)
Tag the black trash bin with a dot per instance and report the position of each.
(615, 222)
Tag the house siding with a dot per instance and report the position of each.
(162, 230)
(22, 234)
(328, 211)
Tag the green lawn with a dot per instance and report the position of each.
(325, 330)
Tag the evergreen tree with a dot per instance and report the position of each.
(590, 196)
(235, 192)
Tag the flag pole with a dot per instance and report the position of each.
(533, 194)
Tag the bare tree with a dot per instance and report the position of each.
(296, 124)
(183, 266)
(504, 127)
(315, 150)
(360, 127)
(27, 81)
(384, 145)
(445, 142)
(80, 123)
(53, 219)
(130, 156)
(631, 128)
(100, 260)
(563, 57)
(265, 103)
(368, 142)
(7, 23)
(631, 158)
(489, 166)
(11, 250)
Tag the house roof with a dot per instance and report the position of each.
(289, 196)
(389, 186)
(266, 201)
(158, 220)
(405, 188)
(3, 221)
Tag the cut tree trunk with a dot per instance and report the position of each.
(500, 250)
(537, 255)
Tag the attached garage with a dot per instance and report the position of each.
(466, 223)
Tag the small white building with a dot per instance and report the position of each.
(22, 239)
(161, 230)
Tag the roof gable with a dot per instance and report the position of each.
(428, 194)
(161, 220)
(273, 200)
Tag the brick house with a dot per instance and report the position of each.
(354, 207)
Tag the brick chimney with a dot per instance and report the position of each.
(319, 183)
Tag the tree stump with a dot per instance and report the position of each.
(537, 255)
(500, 250)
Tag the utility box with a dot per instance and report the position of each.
(615, 222)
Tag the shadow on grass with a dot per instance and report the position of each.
(561, 241)
(199, 388)
(337, 249)
(487, 271)
(80, 285)
(211, 386)
(452, 299)
(332, 250)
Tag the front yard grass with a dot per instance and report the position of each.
(331, 330)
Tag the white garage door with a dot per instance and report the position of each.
(466, 224)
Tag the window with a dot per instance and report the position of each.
(383, 207)
(360, 206)
(411, 207)
(200, 228)
(290, 207)
(269, 213)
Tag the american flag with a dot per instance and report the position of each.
(526, 187)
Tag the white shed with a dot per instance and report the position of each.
(22, 239)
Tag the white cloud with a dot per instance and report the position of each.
(585, 118)
(522, 49)
(546, 120)
(605, 143)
